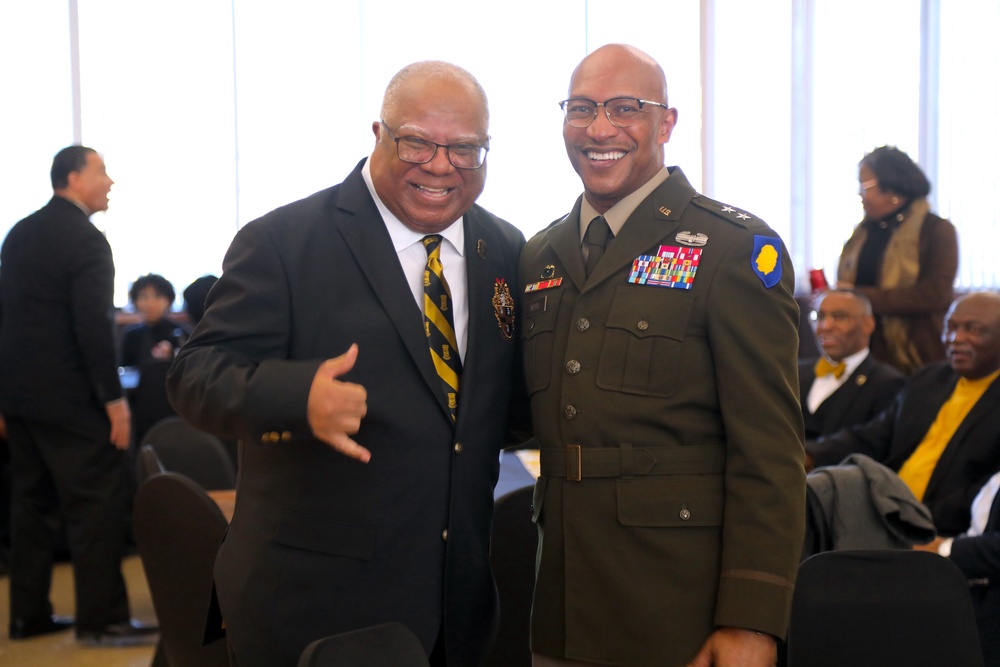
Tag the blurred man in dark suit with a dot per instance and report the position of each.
(67, 422)
(846, 386)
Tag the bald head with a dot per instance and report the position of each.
(425, 71)
(972, 334)
(615, 60)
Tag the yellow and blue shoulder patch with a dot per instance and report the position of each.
(766, 259)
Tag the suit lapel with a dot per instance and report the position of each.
(565, 241)
(484, 265)
(839, 402)
(985, 407)
(366, 236)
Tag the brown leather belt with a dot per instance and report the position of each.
(576, 463)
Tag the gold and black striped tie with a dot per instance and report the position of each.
(439, 324)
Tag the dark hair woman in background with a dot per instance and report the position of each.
(903, 258)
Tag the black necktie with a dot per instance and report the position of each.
(439, 325)
(596, 239)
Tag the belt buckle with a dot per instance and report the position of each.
(574, 463)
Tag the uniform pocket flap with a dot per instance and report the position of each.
(671, 501)
(645, 312)
(329, 537)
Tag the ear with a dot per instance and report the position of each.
(377, 130)
(868, 325)
(666, 126)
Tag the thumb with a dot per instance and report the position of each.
(342, 364)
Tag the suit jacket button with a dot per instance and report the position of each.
(582, 324)
(444, 534)
(458, 448)
(570, 412)
(572, 366)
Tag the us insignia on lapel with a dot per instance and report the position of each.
(503, 307)
(672, 266)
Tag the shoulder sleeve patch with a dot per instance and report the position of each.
(766, 259)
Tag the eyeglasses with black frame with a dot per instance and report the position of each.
(421, 151)
(621, 111)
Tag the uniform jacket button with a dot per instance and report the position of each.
(570, 412)
(572, 366)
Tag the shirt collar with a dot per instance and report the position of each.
(402, 236)
(620, 212)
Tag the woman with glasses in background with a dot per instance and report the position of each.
(903, 258)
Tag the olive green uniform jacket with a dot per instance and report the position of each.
(689, 509)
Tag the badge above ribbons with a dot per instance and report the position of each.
(766, 259)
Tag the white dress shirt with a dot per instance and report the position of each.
(413, 259)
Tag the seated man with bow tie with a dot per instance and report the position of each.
(847, 385)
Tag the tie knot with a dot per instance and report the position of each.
(431, 242)
(598, 232)
(825, 367)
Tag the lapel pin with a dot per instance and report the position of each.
(481, 248)
(664, 210)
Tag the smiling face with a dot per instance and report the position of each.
(443, 109)
(972, 335)
(614, 161)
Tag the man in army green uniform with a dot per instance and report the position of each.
(660, 348)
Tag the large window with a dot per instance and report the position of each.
(209, 114)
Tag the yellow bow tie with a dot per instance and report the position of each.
(824, 367)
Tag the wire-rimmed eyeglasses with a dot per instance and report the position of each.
(421, 151)
(621, 111)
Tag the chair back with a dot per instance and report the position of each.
(184, 449)
(385, 645)
(512, 556)
(882, 607)
(178, 530)
(147, 464)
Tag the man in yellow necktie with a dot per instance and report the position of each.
(941, 432)
(847, 385)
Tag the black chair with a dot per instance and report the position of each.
(512, 555)
(178, 530)
(184, 449)
(872, 608)
(385, 645)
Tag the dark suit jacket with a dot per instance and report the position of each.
(319, 543)
(972, 455)
(57, 355)
(871, 387)
(979, 559)
(638, 568)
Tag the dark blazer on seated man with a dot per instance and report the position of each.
(847, 386)
(867, 390)
(972, 453)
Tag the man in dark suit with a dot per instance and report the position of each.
(977, 553)
(368, 457)
(846, 386)
(67, 422)
(660, 356)
(941, 433)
